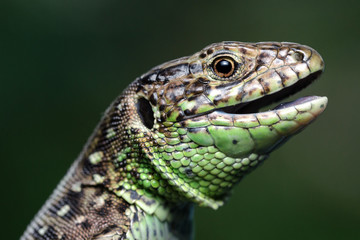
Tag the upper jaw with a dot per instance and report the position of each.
(273, 80)
(269, 75)
(254, 105)
(306, 71)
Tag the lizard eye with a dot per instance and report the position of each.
(224, 67)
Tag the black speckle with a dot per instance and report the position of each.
(85, 224)
(203, 55)
(102, 212)
(283, 76)
(153, 98)
(299, 56)
(260, 63)
(147, 232)
(162, 107)
(148, 79)
(73, 199)
(187, 112)
(136, 217)
(180, 116)
(134, 195)
(189, 172)
(234, 142)
(210, 51)
(88, 167)
(148, 201)
(243, 51)
(122, 207)
(264, 55)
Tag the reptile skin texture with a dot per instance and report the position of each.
(184, 133)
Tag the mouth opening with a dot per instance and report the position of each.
(254, 106)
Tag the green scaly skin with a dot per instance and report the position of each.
(185, 132)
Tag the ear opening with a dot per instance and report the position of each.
(145, 112)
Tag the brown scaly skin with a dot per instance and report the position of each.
(158, 148)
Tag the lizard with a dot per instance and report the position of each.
(184, 133)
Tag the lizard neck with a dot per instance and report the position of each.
(112, 188)
(120, 157)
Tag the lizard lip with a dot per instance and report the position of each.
(255, 105)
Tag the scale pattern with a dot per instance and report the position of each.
(185, 132)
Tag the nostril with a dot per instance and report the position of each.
(299, 56)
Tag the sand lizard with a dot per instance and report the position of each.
(185, 132)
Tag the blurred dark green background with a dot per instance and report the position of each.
(63, 62)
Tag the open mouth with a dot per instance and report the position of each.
(242, 129)
(256, 105)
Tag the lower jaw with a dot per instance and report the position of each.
(238, 135)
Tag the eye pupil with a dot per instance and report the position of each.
(224, 66)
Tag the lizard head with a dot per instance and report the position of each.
(204, 112)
